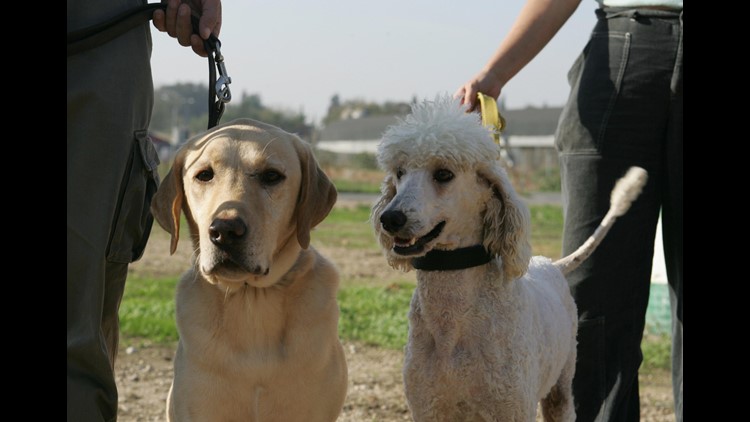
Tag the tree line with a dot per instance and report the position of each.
(185, 106)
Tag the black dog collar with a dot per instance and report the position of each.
(457, 259)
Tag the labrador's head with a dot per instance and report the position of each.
(250, 192)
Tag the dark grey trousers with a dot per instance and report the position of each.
(625, 109)
(111, 175)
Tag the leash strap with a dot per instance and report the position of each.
(491, 117)
(218, 89)
(493, 120)
(93, 36)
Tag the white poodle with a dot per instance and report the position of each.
(492, 330)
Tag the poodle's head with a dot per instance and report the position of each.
(445, 188)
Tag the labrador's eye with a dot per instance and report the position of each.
(443, 176)
(399, 173)
(271, 177)
(205, 175)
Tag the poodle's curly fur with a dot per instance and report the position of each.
(489, 342)
(437, 133)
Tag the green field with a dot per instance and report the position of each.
(147, 309)
(346, 227)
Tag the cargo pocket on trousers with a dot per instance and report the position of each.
(133, 219)
(590, 377)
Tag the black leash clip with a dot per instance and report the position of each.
(220, 85)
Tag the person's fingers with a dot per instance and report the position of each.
(176, 21)
(459, 94)
(198, 46)
(184, 26)
(160, 20)
(171, 17)
(210, 21)
(470, 97)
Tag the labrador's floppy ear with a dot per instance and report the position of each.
(506, 223)
(167, 202)
(317, 194)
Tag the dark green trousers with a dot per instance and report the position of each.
(111, 175)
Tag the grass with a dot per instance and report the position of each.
(347, 227)
(546, 230)
(362, 180)
(357, 186)
(147, 309)
(374, 314)
(657, 352)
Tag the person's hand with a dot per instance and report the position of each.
(485, 82)
(176, 22)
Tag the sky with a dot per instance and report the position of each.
(297, 54)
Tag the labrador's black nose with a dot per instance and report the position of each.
(224, 233)
(393, 221)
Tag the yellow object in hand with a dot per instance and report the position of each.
(491, 117)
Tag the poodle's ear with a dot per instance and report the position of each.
(317, 194)
(388, 192)
(506, 223)
(166, 204)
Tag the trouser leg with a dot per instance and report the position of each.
(611, 288)
(91, 391)
(109, 103)
(115, 276)
(617, 116)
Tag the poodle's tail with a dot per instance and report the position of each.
(625, 192)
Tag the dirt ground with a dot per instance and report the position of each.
(375, 393)
(144, 374)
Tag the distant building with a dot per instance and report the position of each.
(531, 136)
(530, 133)
(353, 136)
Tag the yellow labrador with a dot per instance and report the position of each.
(257, 312)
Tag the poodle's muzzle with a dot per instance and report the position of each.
(395, 223)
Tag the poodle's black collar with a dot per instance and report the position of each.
(457, 259)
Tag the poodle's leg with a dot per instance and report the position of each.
(558, 406)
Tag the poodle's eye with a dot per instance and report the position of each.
(399, 173)
(271, 177)
(443, 176)
(205, 175)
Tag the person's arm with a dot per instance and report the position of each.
(537, 23)
(176, 22)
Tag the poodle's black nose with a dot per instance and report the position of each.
(393, 221)
(225, 233)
